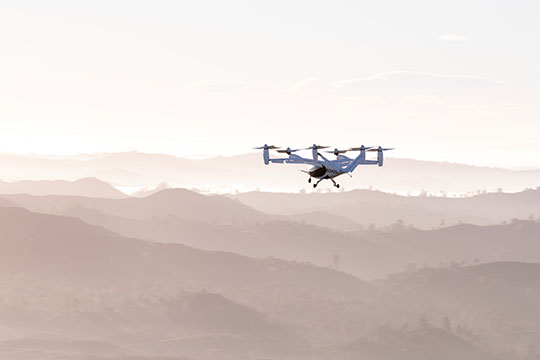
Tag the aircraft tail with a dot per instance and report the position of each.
(357, 161)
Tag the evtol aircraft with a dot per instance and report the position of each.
(323, 168)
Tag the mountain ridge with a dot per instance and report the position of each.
(247, 172)
(87, 187)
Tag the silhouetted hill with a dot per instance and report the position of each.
(53, 349)
(192, 321)
(67, 250)
(420, 344)
(171, 202)
(6, 203)
(111, 284)
(510, 290)
(496, 302)
(373, 207)
(490, 305)
(515, 274)
(182, 324)
(88, 187)
(51, 253)
(218, 223)
(366, 254)
(247, 172)
(517, 241)
(287, 240)
(324, 219)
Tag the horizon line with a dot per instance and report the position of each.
(58, 156)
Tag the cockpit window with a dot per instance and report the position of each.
(317, 171)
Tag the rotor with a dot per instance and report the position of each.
(288, 150)
(337, 151)
(316, 147)
(267, 147)
(361, 148)
(380, 149)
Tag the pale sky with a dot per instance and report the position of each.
(453, 81)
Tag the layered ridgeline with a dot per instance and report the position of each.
(378, 208)
(341, 211)
(342, 242)
(495, 304)
(59, 273)
(247, 172)
(88, 187)
(72, 289)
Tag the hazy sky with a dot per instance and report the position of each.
(453, 80)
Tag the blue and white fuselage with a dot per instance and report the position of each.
(321, 167)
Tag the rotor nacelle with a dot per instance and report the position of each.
(266, 153)
(315, 150)
(288, 151)
(337, 151)
(380, 157)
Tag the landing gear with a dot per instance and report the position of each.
(336, 185)
(317, 183)
(309, 180)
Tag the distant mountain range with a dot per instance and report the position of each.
(67, 251)
(338, 210)
(179, 203)
(222, 224)
(134, 170)
(277, 273)
(374, 207)
(406, 344)
(54, 254)
(496, 298)
(62, 276)
(88, 187)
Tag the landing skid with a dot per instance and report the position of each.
(317, 183)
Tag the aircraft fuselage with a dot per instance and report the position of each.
(323, 172)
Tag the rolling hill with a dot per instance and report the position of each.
(68, 251)
(88, 187)
(53, 251)
(247, 172)
(373, 207)
(172, 202)
(70, 273)
(220, 224)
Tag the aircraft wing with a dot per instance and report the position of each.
(294, 159)
(342, 160)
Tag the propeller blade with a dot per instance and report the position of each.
(316, 146)
(380, 149)
(269, 147)
(336, 151)
(288, 150)
(361, 148)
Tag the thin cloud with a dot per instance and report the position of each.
(217, 85)
(415, 79)
(364, 100)
(302, 84)
(421, 99)
(453, 38)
